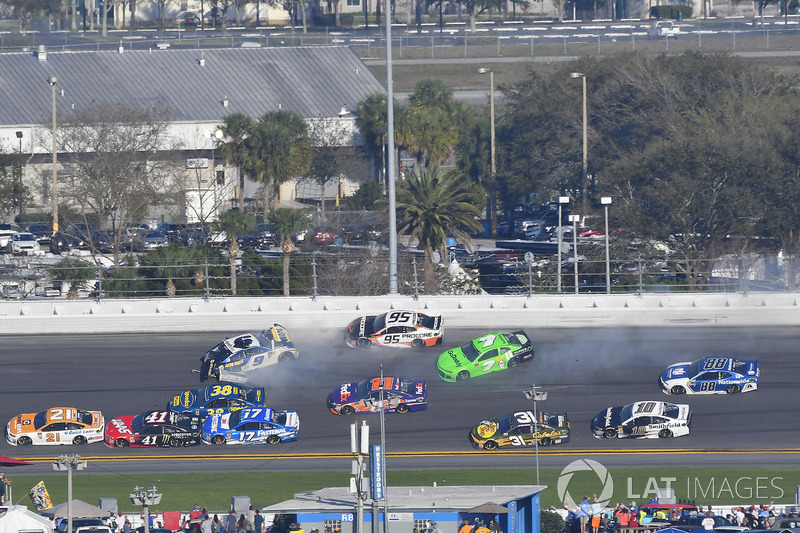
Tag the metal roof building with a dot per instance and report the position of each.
(418, 507)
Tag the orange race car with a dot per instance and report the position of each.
(57, 425)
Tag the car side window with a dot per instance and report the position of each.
(491, 354)
(708, 376)
(641, 421)
(724, 375)
(73, 426)
(659, 420)
(56, 426)
(250, 426)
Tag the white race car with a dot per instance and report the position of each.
(396, 329)
(643, 420)
(233, 358)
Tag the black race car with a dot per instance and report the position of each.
(153, 428)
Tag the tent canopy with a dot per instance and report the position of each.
(19, 518)
(80, 509)
(490, 508)
(6, 461)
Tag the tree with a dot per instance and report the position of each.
(278, 150)
(326, 136)
(371, 121)
(365, 197)
(112, 158)
(288, 222)
(235, 224)
(236, 128)
(74, 272)
(430, 206)
(11, 186)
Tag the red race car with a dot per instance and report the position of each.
(153, 428)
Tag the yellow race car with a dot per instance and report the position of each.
(57, 425)
(518, 429)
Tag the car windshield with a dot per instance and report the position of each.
(24, 237)
(84, 417)
(137, 422)
(740, 367)
(233, 421)
(626, 413)
(279, 417)
(362, 389)
(693, 368)
(671, 410)
(154, 234)
(504, 425)
(39, 419)
(219, 352)
(470, 352)
(380, 322)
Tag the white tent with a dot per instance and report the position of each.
(18, 519)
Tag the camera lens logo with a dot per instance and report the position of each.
(579, 466)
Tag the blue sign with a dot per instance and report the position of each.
(375, 472)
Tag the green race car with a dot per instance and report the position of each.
(488, 353)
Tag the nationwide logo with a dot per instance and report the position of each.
(580, 465)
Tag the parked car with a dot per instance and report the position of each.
(6, 231)
(189, 20)
(43, 232)
(663, 28)
(154, 239)
(323, 235)
(102, 241)
(23, 243)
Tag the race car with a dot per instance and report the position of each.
(488, 353)
(153, 428)
(711, 375)
(399, 396)
(396, 329)
(252, 426)
(233, 358)
(643, 420)
(57, 425)
(518, 429)
(217, 399)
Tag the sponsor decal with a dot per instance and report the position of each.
(454, 357)
(486, 429)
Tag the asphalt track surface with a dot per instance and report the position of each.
(583, 370)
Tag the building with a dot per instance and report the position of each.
(423, 508)
(197, 88)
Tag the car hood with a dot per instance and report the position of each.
(120, 426)
(361, 327)
(607, 418)
(216, 423)
(676, 371)
(486, 428)
(185, 400)
(344, 393)
(452, 359)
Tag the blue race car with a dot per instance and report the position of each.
(711, 375)
(232, 359)
(217, 399)
(400, 395)
(252, 426)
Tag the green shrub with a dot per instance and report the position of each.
(551, 522)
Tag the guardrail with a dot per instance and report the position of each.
(551, 311)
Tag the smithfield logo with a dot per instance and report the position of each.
(581, 465)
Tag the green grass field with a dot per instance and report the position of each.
(707, 486)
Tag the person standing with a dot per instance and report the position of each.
(230, 522)
(708, 522)
(465, 527)
(258, 521)
(207, 525)
(584, 511)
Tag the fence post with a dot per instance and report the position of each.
(314, 275)
(640, 275)
(99, 282)
(416, 279)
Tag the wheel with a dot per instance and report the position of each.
(462, 375)
(218, 439)
(347, 410)
(665, 433)
(417, 343)
(24, 441)
(79, 439)
(273, 439)
(514, 361)
(121, 443)
(490, 445)
(545, 441)
(364, 343)
(610, 434)
(677, 389)
(402, 409)
(285, 356)
(733, 389)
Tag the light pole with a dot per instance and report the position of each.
(493, 164)
(390, 179)
(533, 393)
(68, 463)
(17, 200)
(606, 201)
(145, 498)
(561, 201)
(52, 80)
(585, 174)
(575, 219)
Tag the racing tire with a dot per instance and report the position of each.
(677, 389)
(79, 440)
(121, 443)
(733, 389)
(610, 434)
(218, 439)
(402, 409)
(514, 361)
(285, 356)
(347, 410)
(490, 445)
(545, 441)
(363, 343)
(462, 375)
(273, 439)
(665, 434)
(24, 441)
(417, 343)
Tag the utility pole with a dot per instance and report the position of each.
(69, 463)
(145, 498)
(359, 446)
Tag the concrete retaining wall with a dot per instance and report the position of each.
(241, 314)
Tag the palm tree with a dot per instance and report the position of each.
(235, 224)
(432, 205)
(236, 129)
(278, 150)
(288, 222)
(75, 272)
(371, 122)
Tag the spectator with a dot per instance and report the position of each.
(241, 525)
(207, 525)
(623, 518)
(583, 513)
(251, 518)
(258, 522)
(230, 522)
(465, 527)
(708, 522)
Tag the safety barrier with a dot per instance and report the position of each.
(552, 311)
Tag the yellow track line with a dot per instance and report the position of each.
(548, 452)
